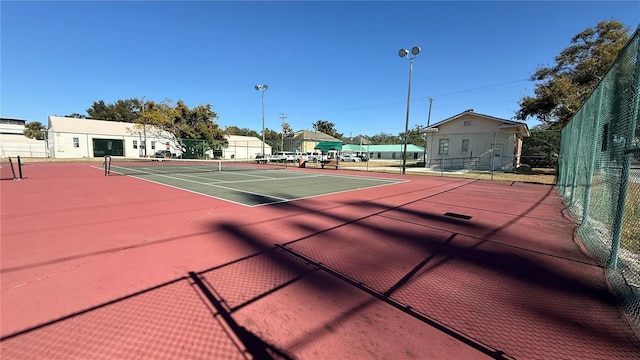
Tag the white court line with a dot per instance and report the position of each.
(280, 199)
(212, 185)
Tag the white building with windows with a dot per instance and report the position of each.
(470, 140)
(72, 138)
(14, 143)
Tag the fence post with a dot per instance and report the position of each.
(574, 183)
(630, 149)
(19, 167)
(493, 155)
(592, 158)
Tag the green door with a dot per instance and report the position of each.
(103, 147)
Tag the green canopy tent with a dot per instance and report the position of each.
(325, 146)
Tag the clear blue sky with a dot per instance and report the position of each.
(333, 61)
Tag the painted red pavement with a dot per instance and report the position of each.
(96, 267)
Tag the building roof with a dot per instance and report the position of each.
(382, 148)
(91, 126)
(504, 122)
(356, 140)
(312, 135)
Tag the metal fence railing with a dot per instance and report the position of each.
(600, 175)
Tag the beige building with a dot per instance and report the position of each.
(243, 147)
(470, 140)
(305, 141)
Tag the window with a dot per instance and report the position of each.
(467, 123)
(379, 155)
(76, 142)
(153, 145)
(443, 147)
(135, 144)
(415, 156)
(465, 145)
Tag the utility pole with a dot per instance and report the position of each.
(282, 116)
(144, 129)
(426, 134)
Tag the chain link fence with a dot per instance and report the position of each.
(600, 175)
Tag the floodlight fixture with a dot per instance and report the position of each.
(405, 53)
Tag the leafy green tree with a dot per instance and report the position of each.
(328, 128)
(562, 88)
(76, 116)
(122, 110)
(542, 148)
(385, 139)
(272, 138)
(234, 130)
(186, 124)
(34, 130)
(415, 137)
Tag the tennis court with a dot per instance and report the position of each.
(242, 182)
(410, 267)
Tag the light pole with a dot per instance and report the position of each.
(405, 53)
(262, 88)
(426, 134)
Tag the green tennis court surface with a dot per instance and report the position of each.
(244, 183)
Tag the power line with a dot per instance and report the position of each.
(481, 88)
(401, 101)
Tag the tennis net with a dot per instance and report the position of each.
(151, 166)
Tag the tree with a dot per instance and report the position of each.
(272, 138)
(385, 139)
(234, 130)
(415, 137)
(542, 148)
(34, 130)
(185, 124)
(328, 128)
(76, 116)
(122, 110)
(563, 88)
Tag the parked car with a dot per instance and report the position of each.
(262, 158)
(284, 156)
(363, 157)
(163, 154)
(350, 158)
(313, 156)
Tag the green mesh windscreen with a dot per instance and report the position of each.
(600, 174)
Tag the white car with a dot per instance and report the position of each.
(350, 158)
(284, 156)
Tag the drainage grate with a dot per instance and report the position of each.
(459, 216)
